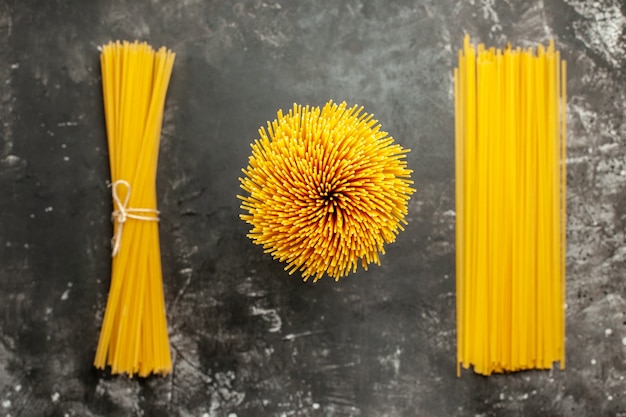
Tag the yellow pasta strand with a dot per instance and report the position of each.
(133, 338)
(326, 188)
(510, 201)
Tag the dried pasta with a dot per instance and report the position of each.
(133, 338)
(326, 190)
(510, 202)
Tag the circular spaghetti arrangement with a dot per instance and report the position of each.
(326, 190)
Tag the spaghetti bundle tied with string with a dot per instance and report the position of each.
(510, 108)
(133, 338)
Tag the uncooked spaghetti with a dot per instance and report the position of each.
(134, 338)
(510, 204)
(326, 190)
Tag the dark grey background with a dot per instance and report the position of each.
(247, 339)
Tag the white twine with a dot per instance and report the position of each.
(124, 213)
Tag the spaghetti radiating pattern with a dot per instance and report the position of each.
(326, 190)
(510, 202)
(134, 338)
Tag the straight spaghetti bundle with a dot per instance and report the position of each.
(510, 202)
(326, 189)
(133, 337)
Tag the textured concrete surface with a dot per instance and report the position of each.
(248, 339)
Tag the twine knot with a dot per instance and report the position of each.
(123, 213)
